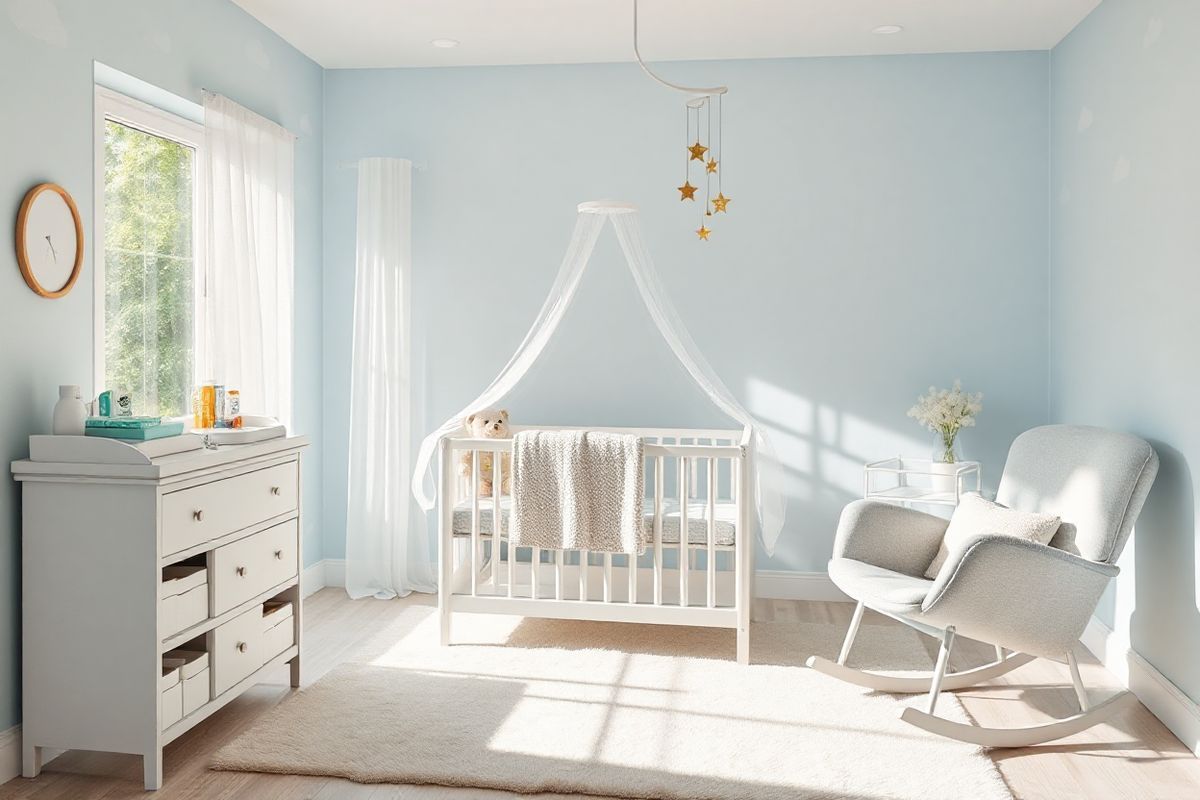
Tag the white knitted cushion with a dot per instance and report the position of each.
(976, 516)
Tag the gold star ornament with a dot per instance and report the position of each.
(697, 150)
(687, 191)
(711, 166)
(719, 202)
(703, 232)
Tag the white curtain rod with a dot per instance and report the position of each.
(252, 111)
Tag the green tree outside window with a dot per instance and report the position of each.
(149, 268)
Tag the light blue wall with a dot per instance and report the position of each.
(46, 54)
(1125, 279)
(888, 230)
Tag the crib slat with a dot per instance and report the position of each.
(632, 561)
(535, 559)
(684, 549)
(583, 575)
(733, 482)
(658, 526)
(608, 578)
(558, 574)
(497, 488)
(474, 522)
(694, 463)
(711, 556)
(512, 558)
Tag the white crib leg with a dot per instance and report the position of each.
(743, 548)
(445, 541)
(751, 575)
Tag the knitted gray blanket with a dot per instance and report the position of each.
(578, 490)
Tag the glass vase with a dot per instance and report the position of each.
(947, 453)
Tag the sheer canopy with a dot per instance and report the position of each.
(592, 219)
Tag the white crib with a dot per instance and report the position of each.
(698, 568)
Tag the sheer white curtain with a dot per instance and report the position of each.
(387, 550)
(591, 220)
(245, 339)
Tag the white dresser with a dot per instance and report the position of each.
(154, 591)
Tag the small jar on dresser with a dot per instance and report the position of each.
(158, 584)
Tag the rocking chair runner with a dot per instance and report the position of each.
(1028, 598)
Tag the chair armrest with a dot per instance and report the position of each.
(1018, 594)
(889, 536)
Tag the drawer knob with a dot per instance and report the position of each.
(241, 647)
(241, 571)
(279, 555)
(198, 515)
(275, 490)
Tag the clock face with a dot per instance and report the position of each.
(49, 242)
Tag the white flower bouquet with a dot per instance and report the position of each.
(946, 412)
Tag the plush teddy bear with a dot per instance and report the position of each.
(487, 424)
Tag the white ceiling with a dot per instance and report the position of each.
(397, 33)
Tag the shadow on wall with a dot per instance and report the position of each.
(1164, 548)
(823, 449)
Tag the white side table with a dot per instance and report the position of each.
(907, 481)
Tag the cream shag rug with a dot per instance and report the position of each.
(625, 711)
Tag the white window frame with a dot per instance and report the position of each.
(111, 105)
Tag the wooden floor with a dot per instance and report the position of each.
(1133, 757)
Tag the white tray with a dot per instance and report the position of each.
(254, 429)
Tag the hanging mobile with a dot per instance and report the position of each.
(698, 99)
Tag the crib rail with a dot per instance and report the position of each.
(692, 474)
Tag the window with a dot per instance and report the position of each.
(147, 254)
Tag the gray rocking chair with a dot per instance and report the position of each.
(1026, 599)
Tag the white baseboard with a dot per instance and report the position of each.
(335, 572)
(775, 584)
(1177, 711)
(325, 573)
(10, 753)
(786, 585)
(312, 579)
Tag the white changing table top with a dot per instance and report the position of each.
(113, 458)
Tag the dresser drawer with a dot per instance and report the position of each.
(196, 515)
(251, 566)
(236, 650)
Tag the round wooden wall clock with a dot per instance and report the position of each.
(49, 240)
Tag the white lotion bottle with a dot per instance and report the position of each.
(70, 414)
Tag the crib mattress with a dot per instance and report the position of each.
(725, 514)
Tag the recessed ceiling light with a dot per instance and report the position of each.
(445, 43)
(888, 30)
